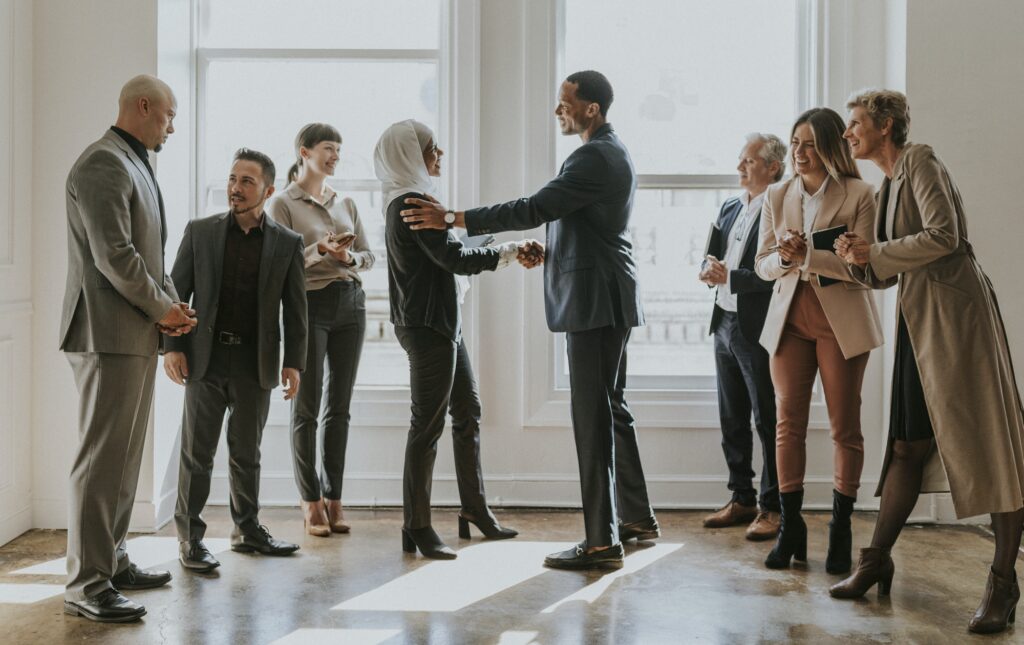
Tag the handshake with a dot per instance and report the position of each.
(530, 253)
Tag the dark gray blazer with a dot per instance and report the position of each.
(197, 275)
(590, 276)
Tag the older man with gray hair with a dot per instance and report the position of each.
(744, 378)
(117, 304)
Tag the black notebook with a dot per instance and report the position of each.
(714, 242)
(824, 240)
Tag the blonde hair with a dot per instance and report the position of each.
(885, 104)
(828, 128)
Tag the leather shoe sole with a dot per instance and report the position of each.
(73, 609)
(138, 583)
(198, 566)
(248, 548)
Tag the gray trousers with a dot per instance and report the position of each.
(231, 385)
(115, 396)
(441, 381)
(611, 476)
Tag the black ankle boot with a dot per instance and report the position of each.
(792, 540)
(840, 535)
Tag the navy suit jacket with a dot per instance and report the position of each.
(281, 295)
(590, 276)
(752, 293)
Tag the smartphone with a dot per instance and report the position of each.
(342, 238)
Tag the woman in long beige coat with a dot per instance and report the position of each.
(957, 423)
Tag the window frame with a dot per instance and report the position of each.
(458, 102)
(682, 401)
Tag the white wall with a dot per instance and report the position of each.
(82, 53)
(79, 53)
(15, 267)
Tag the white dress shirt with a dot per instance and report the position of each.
(811, 205)
(734, 245)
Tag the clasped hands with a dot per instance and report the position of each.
(178, 320)
(793, 247)
(714, 272)
(853, 248)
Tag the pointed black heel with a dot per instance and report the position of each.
(428, 542)
(493, 531)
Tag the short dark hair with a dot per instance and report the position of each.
(593, 87)
(269, 172)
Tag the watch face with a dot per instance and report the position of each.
(449, 218)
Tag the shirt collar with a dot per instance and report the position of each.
(233, 223)
(295, 191)
(754, 204)
(805, 194)
(133, 143)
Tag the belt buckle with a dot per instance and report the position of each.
(227, 338)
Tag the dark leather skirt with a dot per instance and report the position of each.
(908, 420)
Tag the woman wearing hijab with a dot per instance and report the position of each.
(422, 269)
(336, 253)
(956, 421)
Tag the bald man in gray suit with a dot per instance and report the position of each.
(118, 301)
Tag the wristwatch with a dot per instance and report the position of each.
(449, 217)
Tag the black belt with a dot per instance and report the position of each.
(228, 338)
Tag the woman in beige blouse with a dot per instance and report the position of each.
(820, 321)
(336, 252)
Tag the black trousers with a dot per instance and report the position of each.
(337, 329)
(441, 381)
(231, 385)
(745, 386)
(611, 477)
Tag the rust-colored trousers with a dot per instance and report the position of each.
(808, 346)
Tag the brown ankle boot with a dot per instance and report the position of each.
(875, 565)
(314, 518)
(336, 517)
(998, 605)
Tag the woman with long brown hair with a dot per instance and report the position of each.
(819, 321)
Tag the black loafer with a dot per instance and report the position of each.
(195, 556)
(647, 529)
(260, 541)
(135, 578)
(578, 558)
(108, 606)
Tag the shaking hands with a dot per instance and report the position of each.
(531, 253)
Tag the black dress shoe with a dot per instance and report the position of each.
(136, 578)
(195, 556)
(647, 529)
(260, 541)
(428, 542)
(108, 606)
(578, 558)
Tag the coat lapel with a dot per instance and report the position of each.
(270, 235)
(215, 250)
(752, 232)
(893, 201)
(792, 208)
(138, 163)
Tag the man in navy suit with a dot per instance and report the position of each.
(591, 294)
(744, 378)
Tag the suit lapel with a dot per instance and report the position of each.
(752, 232)
(140, 165)
(792, 208)
(269, 241)
(215, 250)
(835, 195)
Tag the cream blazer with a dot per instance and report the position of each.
(848, 305)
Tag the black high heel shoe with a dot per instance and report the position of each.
(428, 542)
(491, 531)
(792, 540)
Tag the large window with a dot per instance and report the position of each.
(267, 68)
(691, 78)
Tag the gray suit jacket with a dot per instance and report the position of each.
(590, 277)
(197, 275)
(116, 286)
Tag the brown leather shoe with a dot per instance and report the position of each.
(765, 526)
(731, 514)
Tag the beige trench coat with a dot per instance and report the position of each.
(957, 335)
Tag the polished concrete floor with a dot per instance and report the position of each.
(693, 585)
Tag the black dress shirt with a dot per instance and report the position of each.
(237, 311)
